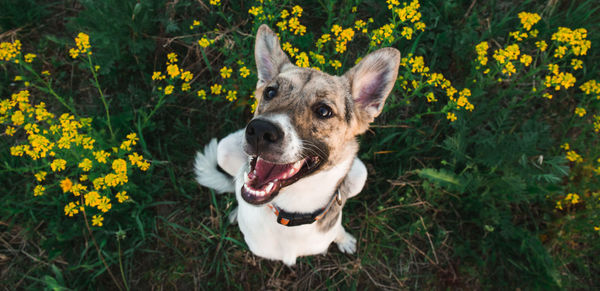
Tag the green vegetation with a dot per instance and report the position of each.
(483, 169)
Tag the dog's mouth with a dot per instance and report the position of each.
(265, 178)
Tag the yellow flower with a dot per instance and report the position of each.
(204, 42)
(526, 60)
(169, 90)
(157, 76)
(83, 45)
(231, 95)
(215, 2)
(430, 97)
(542, 45)
(573, 156)
(83, 178)
(77, 189)
(18, 118)
(244, 72)
(284, 14)
(216, 89)
(509, 69)
(580, 111)
(185, 87)
(97, 220)
(10, 131)
(407, 32)
(420, 26)
(565, 146)
(256, 10)
(577, 64)
(99, 183)
(481, 49)
(559, 205)
(547, 95)
(86, 164)
(119, 165)
(560, 52)
(187, 76)
(573, 197)
(101, 156)
(29, 58)
(66, 185)
(172, 57)
(92, 198)
(40, 176)
(122, 196)
(10, 50)
(58, 165)
(202, 94)
(38, 190)
(576, 39)
(226, 72)
(173, 70)
(297, 10)
(451, 116)
(302, 60)
(135, 159)
(71, 209)
(335, 64)
(104, 204)
(529, 19)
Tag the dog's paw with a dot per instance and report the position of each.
(347, 243)
(289, 261)
(233, 216)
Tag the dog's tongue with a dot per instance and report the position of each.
(265, 172)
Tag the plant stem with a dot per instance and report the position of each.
(97, 85)
(121, 264)
(48, 89)
(87, 225)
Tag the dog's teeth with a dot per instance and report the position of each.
(297, 165)
(269, 187)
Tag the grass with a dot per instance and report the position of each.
(460, 205)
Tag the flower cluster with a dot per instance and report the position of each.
(415, 65)
(83, 46)
(62, 152)
(174, 74)
(9, 51)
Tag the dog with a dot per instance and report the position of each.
(294, 165)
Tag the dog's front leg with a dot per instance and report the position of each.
(345, 241)
(355, 179)
(230, 154)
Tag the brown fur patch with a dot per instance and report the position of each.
(300, 92)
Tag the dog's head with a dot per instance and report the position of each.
(307, 120)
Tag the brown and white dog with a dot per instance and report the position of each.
(295, 165)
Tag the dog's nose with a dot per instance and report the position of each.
(261, 133)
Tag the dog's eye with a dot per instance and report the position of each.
(270, 93)
(323, 111)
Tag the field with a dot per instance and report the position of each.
(484, 167)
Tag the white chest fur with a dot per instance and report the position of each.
(269, 239)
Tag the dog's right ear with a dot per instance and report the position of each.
(269, 56)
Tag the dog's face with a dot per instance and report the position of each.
(306, 120)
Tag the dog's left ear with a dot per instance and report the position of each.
(269, 56)
(372, 80)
